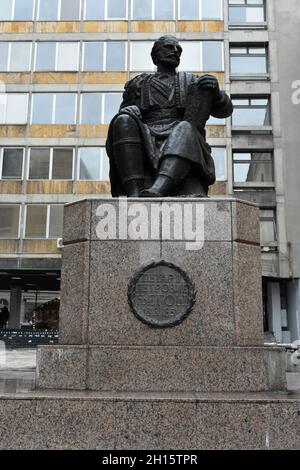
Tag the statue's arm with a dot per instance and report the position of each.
(222, 107)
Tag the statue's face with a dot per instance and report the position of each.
(169, 53)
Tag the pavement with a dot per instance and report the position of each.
(17, 371)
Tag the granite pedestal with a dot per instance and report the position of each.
(114, 382)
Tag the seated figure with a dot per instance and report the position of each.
(156, 143)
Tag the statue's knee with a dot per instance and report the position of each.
(184, 126)
(124, 123)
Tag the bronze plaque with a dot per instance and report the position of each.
(161, 294)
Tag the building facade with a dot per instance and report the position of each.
(63, 65)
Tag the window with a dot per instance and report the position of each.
(44, 221)
(47, 163)
(9, 220)
(252, 167)
(11, 163)
(219, 156)
(152, 10)
(105, 56)
(251, 112)
(197, 56)
(13, 108)
(248, 60)
(268, 228)
(105, 9)
(201, 9)
(16, 10)
(48, 108)
(59, 56)
(62, 10)
(99, 108)
(247, 11)
(15, 56)
(93, 164)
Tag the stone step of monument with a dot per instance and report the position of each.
(64, 420)
(161, 369)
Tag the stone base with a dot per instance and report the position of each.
(165, 369)
(86, 420)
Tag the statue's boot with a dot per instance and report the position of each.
(173, 170)
(128, 157)
(128, 154)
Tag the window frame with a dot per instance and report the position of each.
(103, 103)
(58, 16)
(47, 228)
(2, 149)
(153, 12)
(102, 148)
(51, 154)
(53, 114)
(275, 225)
(248, 46)
(248, 5)
(225, 162)
(8, 64)
(57, 44)
(19, 222)
(4, 102)
(13, 12)
(106, 18)
(250, 98)
(104, 63)
(200, 18)
(253, 184)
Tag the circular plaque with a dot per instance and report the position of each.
(161, 294)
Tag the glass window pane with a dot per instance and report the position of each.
(90, 159)
(93, 56)
(16, 110)
(12, 164)
(219, 156)
(242, 156)
(65, 108)
(213, 56)
(189, 10)
(67, 56)
(48, 10)
(267, 231)
(191, 56)
(94, 9)
(215, 121)
(141, 56)
(6, 10)
(56, 221)
(212, 10)
(164, 10)
(62, 164)
(115, 56)
(3, 99)
(116, 9)
(39, 164)
(45, 56)
(9, 221)
(36, 221)
(4, 56)
(91, 106)
(111, 106)
(142, 9)
(69, 10)
(253, 172)
(20, 56)
(105, 166)
(23, 10)
(250, 117)
(42, 108)
(246, 15)
(248, 65)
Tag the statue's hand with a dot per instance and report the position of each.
(133, 110)
(209, 82)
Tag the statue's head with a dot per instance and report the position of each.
(167, 51)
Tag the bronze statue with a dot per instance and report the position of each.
(156, 143)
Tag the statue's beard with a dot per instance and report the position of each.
(172, 62)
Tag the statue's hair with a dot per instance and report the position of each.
(157, 45)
